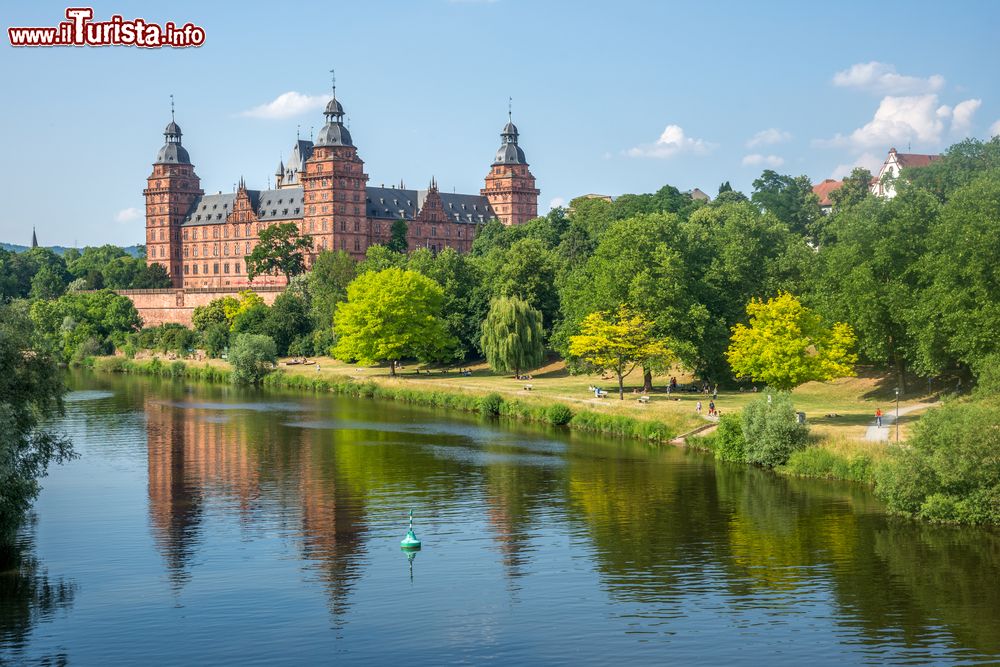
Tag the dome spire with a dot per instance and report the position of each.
(171, 107)
(333, 133)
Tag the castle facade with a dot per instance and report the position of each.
(203, 240)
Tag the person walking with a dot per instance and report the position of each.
(878, 417)
(697, 407)
(711, 408)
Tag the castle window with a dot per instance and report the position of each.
(355, 225)
(324, 225)
(343, 226)
(195, 267)
(236, 267)
(215, 268)
(185, 252)
(434, 231)
(343, 244)
(196, 251)
(186, 268)
(296, 211)
(225, 268)
(248, 248)
(215, 233)
(225, 249)
(248, 231)
(357, 244)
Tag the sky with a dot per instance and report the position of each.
(609, 98)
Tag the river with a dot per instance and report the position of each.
(211, 525)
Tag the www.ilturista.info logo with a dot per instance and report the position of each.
(80, 30)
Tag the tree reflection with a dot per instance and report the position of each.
(28, 597)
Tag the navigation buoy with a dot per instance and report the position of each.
(410, 542)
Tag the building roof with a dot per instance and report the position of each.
(823, 190)
(915, 159)
(698, 195)
(381, 204)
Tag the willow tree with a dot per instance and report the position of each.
(512, 336)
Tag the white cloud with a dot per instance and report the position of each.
(556, 202)
(897, 120)
(287, 105)
(128, 214)
(869, 161)
(755, 159)
(883, 79)
(767, 137)
(995, 129)
(672, 141)
(961, 116)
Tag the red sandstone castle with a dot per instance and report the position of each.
(202, 240)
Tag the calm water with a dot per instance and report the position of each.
(207, 525)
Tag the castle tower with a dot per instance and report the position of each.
(171, 189)
(333, 184)
(510, 186)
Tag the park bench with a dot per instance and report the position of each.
(527, 387)
(644, 399)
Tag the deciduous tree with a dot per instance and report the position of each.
(618, 341)
(787, 345)
(391, 315)
(279, 249)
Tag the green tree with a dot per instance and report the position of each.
(380, 258)
(47, 284)
(215, 339)
(855, 189)
(94, 322)
(214, 312)
(788, 198)
(397, 237)
(286, 320)
(512, 336)
(618, 342)
(328, 279)
(526, 270)
(464, 304)
(31, 390)
(252, 356)
(787, 345)
(956, 314)
(391, 315)
(279, 250)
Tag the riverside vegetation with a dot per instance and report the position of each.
(742, 292)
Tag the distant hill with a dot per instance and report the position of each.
(60, 250)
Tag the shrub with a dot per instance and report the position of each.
(819, 461)
(558, 414)
(177, 369)
(729, 443)
(950, 471)
(988, 375)
(301, 346)
(771, 431)
(252, 357)
(489, 405)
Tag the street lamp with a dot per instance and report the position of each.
(897, 415)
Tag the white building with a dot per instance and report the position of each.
(893, 165)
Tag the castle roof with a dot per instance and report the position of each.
(380, 204)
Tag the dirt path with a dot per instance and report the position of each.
(881, 433)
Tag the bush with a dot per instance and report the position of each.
(489, 405)
(252, 356)
(988, 375)
(323, 341)
(729, 443)
(950, 471)
(771, 431)
(819, 461)
(558, 414)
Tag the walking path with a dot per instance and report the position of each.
(882, 434)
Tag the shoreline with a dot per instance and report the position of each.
(824, 458)
(492, 404)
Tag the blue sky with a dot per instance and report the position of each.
(609, 97)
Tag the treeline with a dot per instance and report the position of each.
(40, 273)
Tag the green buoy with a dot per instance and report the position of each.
(410, 542)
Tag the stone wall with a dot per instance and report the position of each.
(160, 306)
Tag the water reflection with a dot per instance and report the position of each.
(28, 597)
(529, 534)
